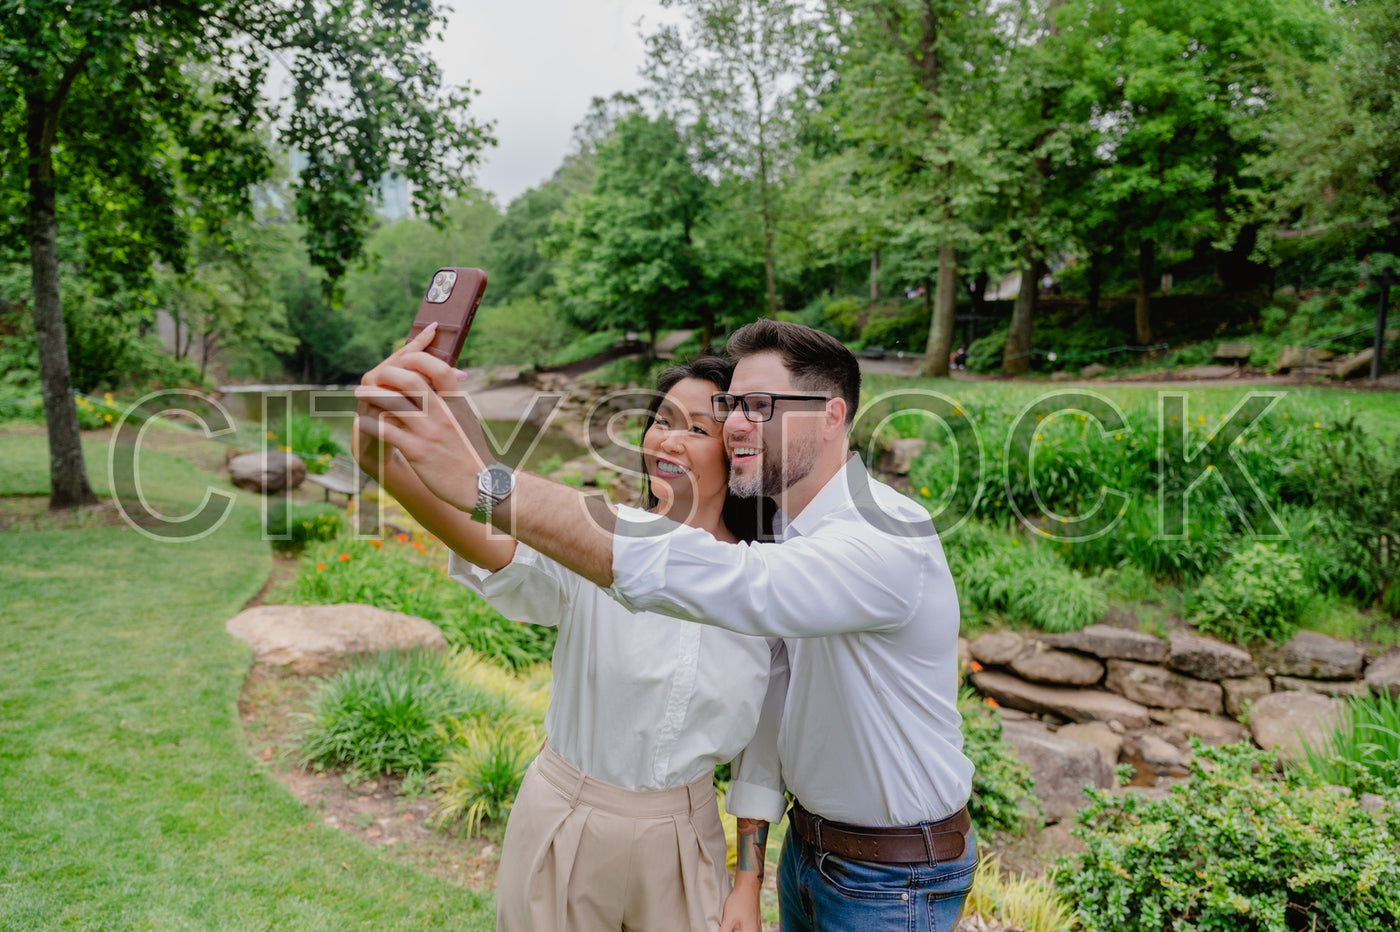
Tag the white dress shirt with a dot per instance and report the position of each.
(641, 701)
(861, 592)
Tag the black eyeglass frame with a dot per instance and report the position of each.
(741, 402)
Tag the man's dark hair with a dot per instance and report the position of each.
(818, 361)
(749, 519)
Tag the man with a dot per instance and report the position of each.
(867, 738)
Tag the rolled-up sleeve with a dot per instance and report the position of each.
(530, 588)
(799, 588)
(756, 786)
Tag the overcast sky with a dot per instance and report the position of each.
(537, 64)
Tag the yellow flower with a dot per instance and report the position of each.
(923, 490)
(107, 397)
(285, 449)
(1117, 436)
(271, 435)
(1040, 436)
(1317, 423)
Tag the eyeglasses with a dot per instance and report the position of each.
(757, 406)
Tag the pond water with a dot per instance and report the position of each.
(253, 407)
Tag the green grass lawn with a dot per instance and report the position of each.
(130, 801)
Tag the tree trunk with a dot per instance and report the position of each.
(1142, 307)
(940, 331)
(769, 274)
(875, 275)
(707, 332)
(1017, 358)
(1095, 282)
(68, 479)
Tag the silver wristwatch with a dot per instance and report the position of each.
(492, 486)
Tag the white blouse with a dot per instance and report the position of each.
(639, 700)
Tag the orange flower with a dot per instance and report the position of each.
(975, 666)
(401, 538)
(320, 567)
(992, 702)
(418, 545)
(345, 558)
(377, 544)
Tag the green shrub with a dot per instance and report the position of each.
(478, 781)
(1027, 582)
(906, 328)
(584, 347)
(305, 524)
(310, 438)
(385, 715)
(404, 574)
(1363, 752)
(1256, 596)
(1235, 848)
(522, 332)
(1002, 799)
(841, 317)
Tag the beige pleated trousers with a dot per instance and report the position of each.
(581, 855)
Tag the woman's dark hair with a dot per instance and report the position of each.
(749, 519)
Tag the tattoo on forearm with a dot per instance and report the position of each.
(752, 843)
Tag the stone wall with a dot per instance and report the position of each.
(1077, 705)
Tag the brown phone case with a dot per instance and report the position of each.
(451, 301)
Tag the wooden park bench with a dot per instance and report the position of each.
(343, 475)
(1238, 353)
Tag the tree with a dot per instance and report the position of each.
(1176, 92)
(138, 116)
(913, 95)
(628, 251)
(732, 71)
(1332, 146)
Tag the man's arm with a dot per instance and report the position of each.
(741, 909)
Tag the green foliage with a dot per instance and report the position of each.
(383, 715)
(311, 438)
(525, 332)
(1363, 751)
(629, 250)
(906, 328)
(395, 575)
(1255, 597)
(1350, 485)
(585, 346)
(482, 773)
(1237, 847)
(1024, 582)
(302, 524)
(1002, 798)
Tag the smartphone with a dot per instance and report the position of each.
(452, 299)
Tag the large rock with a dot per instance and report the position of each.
(1077, 705)
(314, 639)
(1356, 688)
(268, 472)
(1152, 685)
(1107, 741)
(1211, 730)
(1061, 667)
(1150, 753)
(1060, 767)
(1279, 719)
(998, 648)
(1356, 364)
(1111, 643)
(1318, 657)
(1206, 658)
(1383, 674)
(1093, 370)
(1244, 691)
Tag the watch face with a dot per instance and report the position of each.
(500, 481)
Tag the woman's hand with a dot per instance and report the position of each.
(412, 402)
(741, 912)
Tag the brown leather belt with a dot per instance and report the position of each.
(927, 842)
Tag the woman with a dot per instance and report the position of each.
(616, 825)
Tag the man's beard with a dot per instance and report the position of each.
(776, 475)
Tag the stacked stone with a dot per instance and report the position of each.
(1076, 705)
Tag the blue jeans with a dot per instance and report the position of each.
(821, 892)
